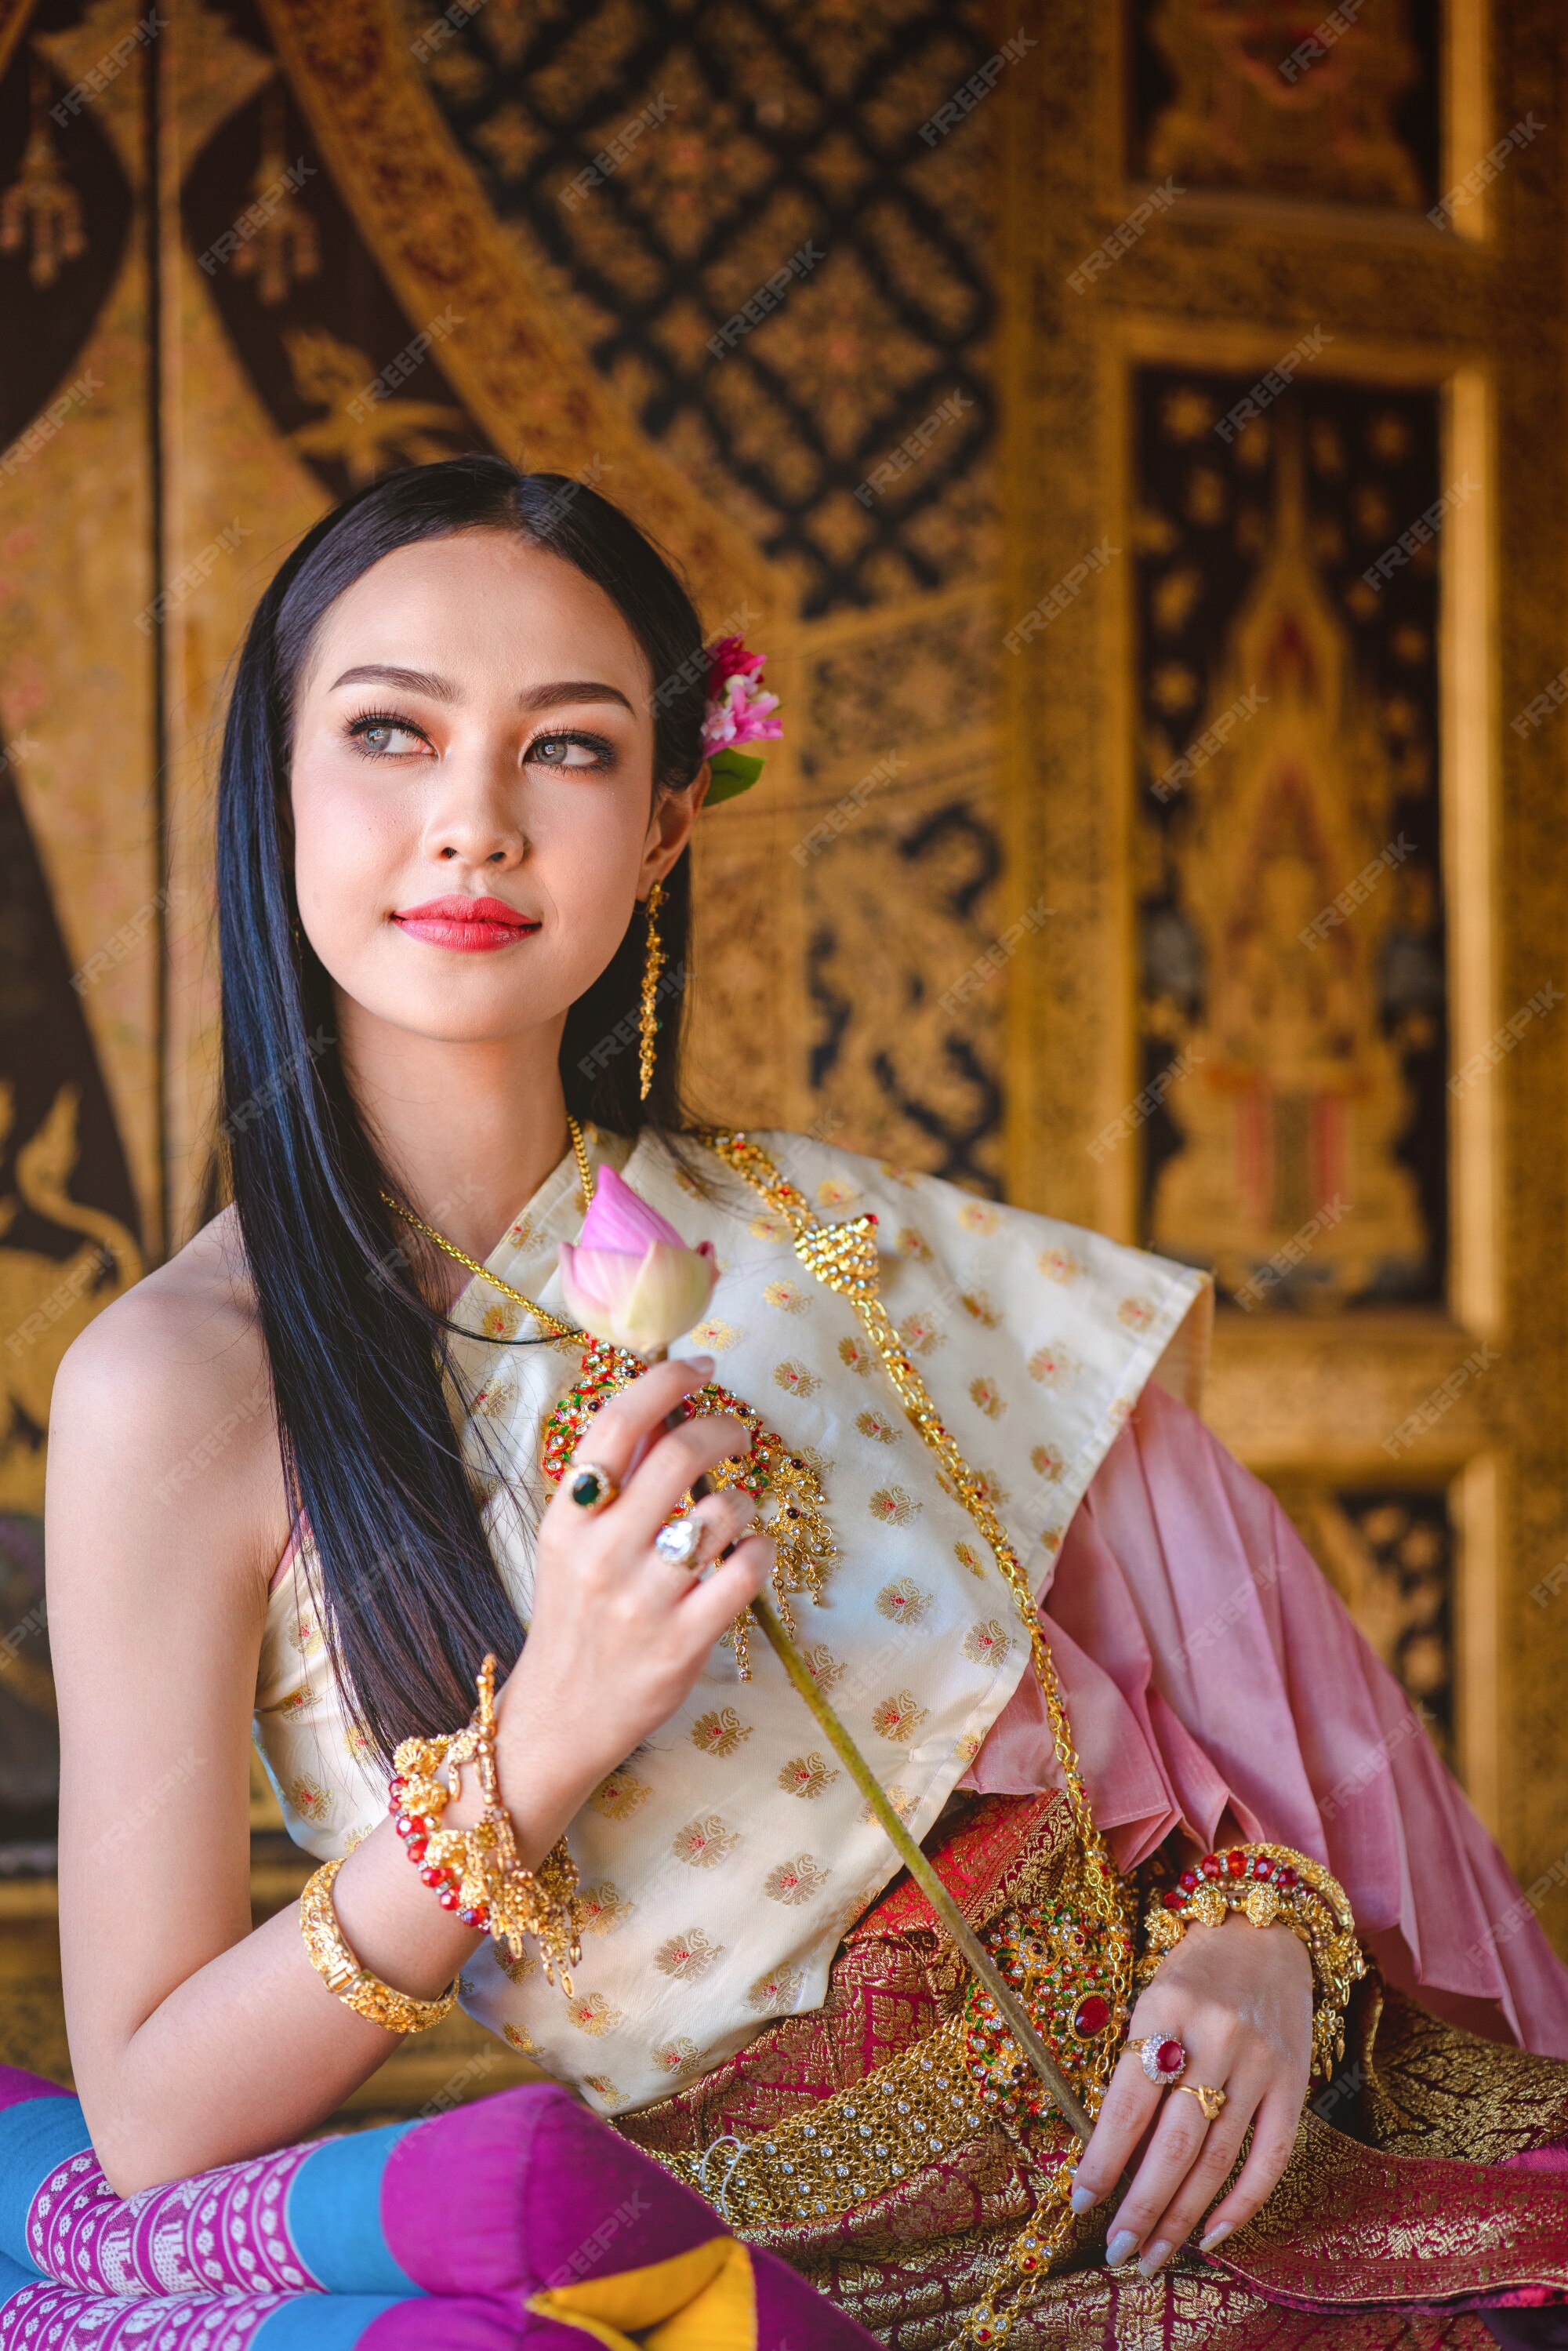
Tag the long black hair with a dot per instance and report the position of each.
(361, 1376)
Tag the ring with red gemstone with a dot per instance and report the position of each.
(1163, 2059)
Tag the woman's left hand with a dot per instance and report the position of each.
(1239, 1997)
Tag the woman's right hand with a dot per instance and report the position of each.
(619, 1634)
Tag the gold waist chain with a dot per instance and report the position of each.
(933, 2099)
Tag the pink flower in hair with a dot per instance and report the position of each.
(739, 711)
(727, 656)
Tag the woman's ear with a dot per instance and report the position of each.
(670, 828)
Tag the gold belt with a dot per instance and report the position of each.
(809, 2170)
(962, 2080)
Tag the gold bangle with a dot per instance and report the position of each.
(1270, 1885)
(339, 1970)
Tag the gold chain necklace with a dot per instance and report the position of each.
(555, 1327)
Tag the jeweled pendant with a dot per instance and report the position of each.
(1091, 2016)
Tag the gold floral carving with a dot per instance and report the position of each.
(365, 438)
(48, 1301)
(74, 706)
(1230, 289)
(893, 833)
(1295, 1106)
(1390, 1556)
(1328, 130)
(527, 380)
(223, 460)
(424, 217)
(746, 154)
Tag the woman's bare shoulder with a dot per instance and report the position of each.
(170, 1383)
(189, 1324)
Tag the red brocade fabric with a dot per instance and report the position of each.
(1410, 2205)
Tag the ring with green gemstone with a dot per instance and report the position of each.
(591, 1487)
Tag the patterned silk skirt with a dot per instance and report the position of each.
(861, 2191)
(1428, 2184)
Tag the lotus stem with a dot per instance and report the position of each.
(958, 1930)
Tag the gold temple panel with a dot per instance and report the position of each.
(1106, 277)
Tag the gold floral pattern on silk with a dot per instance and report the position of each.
(901, 2217)
(819, 2157)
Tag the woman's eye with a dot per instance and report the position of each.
(386, 737)
(570, 751)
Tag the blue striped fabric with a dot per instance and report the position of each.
(36, 2134)
(334, 2215)
(321, 2321)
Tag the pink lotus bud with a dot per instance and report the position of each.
(630, 1279)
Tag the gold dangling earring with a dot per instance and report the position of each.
(647, 1020)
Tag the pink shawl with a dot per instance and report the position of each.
(1218, 1686)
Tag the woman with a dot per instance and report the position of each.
(466, 744)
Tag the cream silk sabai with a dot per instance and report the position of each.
(726, 1859)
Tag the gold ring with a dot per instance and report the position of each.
(1209, 2100)
(590, 1488)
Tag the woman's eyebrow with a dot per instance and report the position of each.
(416, 681)
(571, 689)
(442, 689)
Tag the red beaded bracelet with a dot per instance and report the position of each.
(477, 1873)
(1271, 1884)
(415, 1830)
(1257, 1865)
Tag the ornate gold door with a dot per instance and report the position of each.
(731, 263)
(1283, 401)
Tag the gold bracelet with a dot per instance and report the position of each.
(339, 1970)
(1270, 1885)
(477, 1873)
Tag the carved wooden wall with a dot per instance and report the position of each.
(213, 244)
(1283, 394)
(1151, 840)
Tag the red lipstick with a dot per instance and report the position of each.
(469, 925)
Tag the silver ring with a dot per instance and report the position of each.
(680, 1541)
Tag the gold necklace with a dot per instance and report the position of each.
(555, 1327)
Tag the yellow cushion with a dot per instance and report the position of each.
(702, 2300)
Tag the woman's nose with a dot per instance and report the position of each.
(477, 821)
(505, 854)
